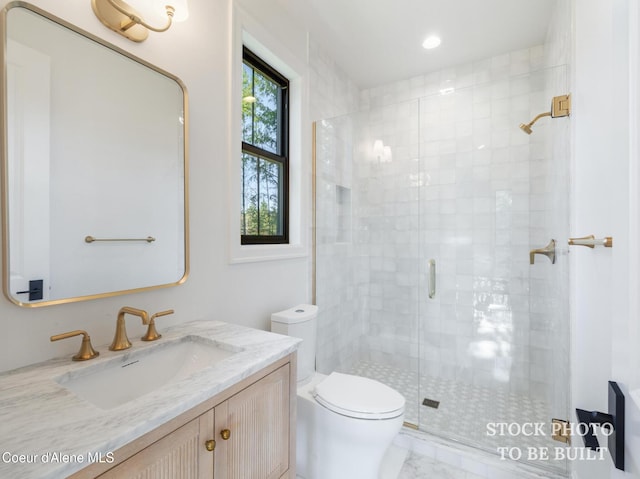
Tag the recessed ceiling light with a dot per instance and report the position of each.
(430, 42)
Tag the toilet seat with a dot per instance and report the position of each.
(358, 397)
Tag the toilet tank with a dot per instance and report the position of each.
(299, 322)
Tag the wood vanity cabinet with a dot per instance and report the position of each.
(256, 425)
(250, 428)
(180, 454)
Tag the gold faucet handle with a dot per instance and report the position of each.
(86, 350)
(152, 334)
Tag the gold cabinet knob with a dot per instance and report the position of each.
(210, 445)
(225, 433)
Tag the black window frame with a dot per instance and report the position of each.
(255, 62)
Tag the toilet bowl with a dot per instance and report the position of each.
(345, 423)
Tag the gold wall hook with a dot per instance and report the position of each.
(86, 350)
(549, 251)
(152, 334)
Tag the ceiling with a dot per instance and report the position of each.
(380, 41)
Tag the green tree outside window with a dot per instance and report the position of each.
(264, 153)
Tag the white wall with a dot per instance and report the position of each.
(605, 336)
(341, 286)
(197, 51)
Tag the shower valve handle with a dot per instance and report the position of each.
(549, 251)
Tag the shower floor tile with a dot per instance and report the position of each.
(465, 410)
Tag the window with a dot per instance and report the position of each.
(265, 150)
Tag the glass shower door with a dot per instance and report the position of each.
(367, 247)
(494, 339)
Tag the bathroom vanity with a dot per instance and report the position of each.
(221, 415)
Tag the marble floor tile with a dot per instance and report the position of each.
(465, 410)
(419, 467)
(433, 457)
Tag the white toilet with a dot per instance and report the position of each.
(345, 423)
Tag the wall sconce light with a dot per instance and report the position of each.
(125, 20)
(386, 154)
(381, 152)
(378, 149)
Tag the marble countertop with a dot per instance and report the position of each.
(46, 431)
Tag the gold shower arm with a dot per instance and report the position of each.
(541, 115)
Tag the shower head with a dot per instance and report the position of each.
(560, 106)
(526, 128)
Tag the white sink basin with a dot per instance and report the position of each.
(123, 379)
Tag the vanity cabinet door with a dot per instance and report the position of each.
(179, 455)
(255, 423)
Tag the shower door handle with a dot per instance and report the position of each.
(432, 278)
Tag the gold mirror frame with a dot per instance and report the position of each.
(5, 160)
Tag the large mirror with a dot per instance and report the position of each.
(94, 166)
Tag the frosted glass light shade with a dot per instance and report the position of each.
(387, 155)
(378, 148)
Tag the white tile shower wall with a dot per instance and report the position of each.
(460, 175)
(386, 222)
(549, 209)
(334, 93)
(339, 278)
(553, 318)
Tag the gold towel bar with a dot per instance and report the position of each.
(91, 239)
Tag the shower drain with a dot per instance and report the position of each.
(431, 403)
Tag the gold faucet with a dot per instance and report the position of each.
(86, 350)
(152, 334)
(549, 251)
(120, 340)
